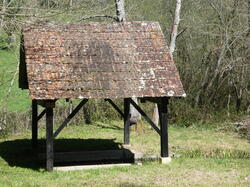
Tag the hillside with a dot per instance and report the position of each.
(11, 97)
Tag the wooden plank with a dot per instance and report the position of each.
(115, 107)
(34, 124)
(126, 121)
(122, 155)
(146, 117)
(49, 139)
(150, 99)
(72, 114)
(47, 103)
(163, 115)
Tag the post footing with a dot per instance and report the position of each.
(165, 160)
(126, 145)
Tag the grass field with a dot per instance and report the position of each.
(202, 158)
(11, 97)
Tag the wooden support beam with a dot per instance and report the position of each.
(49, 139)
(115, 107)
(150, 99)
(72, 114)
(145, 117)
(41, 115)
(163, 115)
(34, 124)
(47, 103)
(126, 121)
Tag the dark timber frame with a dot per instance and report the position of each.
(49, 139)
(34, 124)
(162, 103)
(126, 121)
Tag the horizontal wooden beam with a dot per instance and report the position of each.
(72, 114)
(47, 103)
(145, 116)
(150, 99)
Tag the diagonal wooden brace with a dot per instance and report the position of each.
(72, 114)
(115, 107)
(145, 116)
(41, 114)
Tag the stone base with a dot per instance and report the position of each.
(127, 145)
(165, 160)
(87, 167)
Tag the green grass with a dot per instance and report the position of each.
(16, 99)
(203, 158)
(181, 172)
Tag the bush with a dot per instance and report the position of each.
(4, 40)
(13, 122)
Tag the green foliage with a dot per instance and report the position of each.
(3, 40)
(13, 122)
(216, 153)
(100, 110)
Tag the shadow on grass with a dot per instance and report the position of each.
(19, 153)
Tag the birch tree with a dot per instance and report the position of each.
(120, 10)
(4, 5)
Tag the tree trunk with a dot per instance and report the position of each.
(120, 10)
(156, 115)
(70, 3)
(3, 12)
(204, 81)
(135, 116)
(174, 32)
(248, 18)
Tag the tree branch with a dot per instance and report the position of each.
(181, 32)
(99, 16)
(120, 10)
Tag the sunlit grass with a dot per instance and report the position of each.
(11, 97)
(205, 158)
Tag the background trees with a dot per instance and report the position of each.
(213, 49)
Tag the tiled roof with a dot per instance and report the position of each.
(97, 60)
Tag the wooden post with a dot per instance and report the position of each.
(49, 139)
(34, 124)
(163, 115)
(126, 121)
